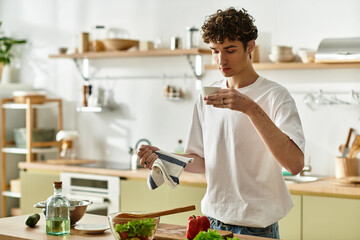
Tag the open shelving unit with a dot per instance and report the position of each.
(83, 68)
(32, 148)
(196, 66)
(122, 54)
(294, 66)
(199, 51)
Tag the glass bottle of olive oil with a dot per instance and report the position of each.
(57, 212)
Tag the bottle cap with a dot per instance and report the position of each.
(57, 184)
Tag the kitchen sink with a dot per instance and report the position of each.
(301, 179)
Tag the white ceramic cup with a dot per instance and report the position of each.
(209, 90)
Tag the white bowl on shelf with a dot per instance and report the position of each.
(307, 55)
(280, 50)
(278, 58)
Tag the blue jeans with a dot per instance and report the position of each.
(271, 231)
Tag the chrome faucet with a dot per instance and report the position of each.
(134, 161)
(306, 169)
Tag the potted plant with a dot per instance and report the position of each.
(5, 46)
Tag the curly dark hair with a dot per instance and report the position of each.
(229, 24)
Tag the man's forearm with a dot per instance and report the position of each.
(285, 151)
(198, 164)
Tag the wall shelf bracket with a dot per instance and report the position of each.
(196, 68)
(84, 70)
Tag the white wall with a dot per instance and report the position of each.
(141, 111)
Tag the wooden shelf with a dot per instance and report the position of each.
(295, 65)
(11, 194)
(149, 53)
(24, 105)
(31, 116)
(17, 150)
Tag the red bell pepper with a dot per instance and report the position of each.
(196, 224)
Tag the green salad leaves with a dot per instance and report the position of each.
(136, 228)
(211, 235)
(208, 235)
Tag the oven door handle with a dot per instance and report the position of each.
(99, 203)
(94, 199)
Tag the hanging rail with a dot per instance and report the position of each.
(321, 98)
(197, 70)
(163, 76)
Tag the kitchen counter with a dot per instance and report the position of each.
(324, 187)
(14, 228)
(76, 166)
(321, 187)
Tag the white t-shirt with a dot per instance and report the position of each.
(245, 186)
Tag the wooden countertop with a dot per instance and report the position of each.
(14, 228)
(322, 187)
(74, 166)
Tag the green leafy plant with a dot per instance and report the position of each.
(5, 46)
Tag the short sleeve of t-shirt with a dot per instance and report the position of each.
(195, 139)
(288, 121)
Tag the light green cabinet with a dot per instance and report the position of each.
(36, 186)
(135, 195)
(331, 218)
(321, 217)
(291, 226)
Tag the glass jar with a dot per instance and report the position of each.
(57, 212)
(67, 149)
(99, 33)
(192, 37)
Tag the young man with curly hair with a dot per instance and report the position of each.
(242, 136)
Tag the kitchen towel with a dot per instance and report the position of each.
(167, 168)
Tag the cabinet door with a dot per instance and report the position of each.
(331, 218)
(136, 196)
(183, 196)
(290, 226)
(36, 187)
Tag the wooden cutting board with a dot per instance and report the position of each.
(353, 181)
(176, 232)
